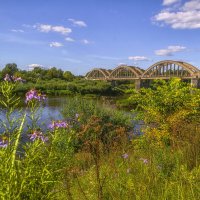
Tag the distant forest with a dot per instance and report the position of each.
(55, 81)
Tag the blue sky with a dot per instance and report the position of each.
(78, 35)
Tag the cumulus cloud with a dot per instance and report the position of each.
(17, 30)
(138, 58)
(78, 23)
(32, 66)
(35, 65)
(85, 41)
(169, 2)
(169, 50)
(68, 39)
(186, 17)
(47, 28)
(192, 5)
(55, 44)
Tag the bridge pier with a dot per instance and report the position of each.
(145, 83)
(113, 83)
(137, 84)
(195, 82)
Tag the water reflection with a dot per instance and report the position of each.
(52, 110)
(47, 112)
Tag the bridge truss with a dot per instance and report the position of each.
(160, 70)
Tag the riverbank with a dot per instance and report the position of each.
(94, 152)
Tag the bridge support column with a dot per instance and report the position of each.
(113, 83)
(195, 82)
(137, 84)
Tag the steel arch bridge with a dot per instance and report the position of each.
(98, 74)
(165, 69)
(169, 68)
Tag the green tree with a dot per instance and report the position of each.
(169, 110)
(10, 69)
(67, 75)
(54, 73)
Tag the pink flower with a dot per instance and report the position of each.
(145, 161)
(125, 156)
(58, 124)
(7, 77)
(33, 94)
(38, 135)
(4, 142)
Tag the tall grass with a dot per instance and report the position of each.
(90, 155)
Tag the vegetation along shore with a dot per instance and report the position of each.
(95, 152)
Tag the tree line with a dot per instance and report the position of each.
(36, 74)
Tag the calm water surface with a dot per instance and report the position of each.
(50, 110)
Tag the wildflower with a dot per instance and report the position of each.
(38, 135)
(58, 124)
(144, 160)
(13, 78)
(7, 78)
(17, 79)
(125, 156)
(77, 115)
(4, 142)
(33, 94)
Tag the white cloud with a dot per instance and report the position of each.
(138, 58)
(61, 29)
(17, 30)
(169, 2)
(35, 65)
(32, 66)
(85, 41)
(169, 50)
(55, 44)
(78, 23)
(192, 5)
(68, 39)
(47, 28)
(43, 27)
(186, 17)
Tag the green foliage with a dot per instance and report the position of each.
(86, 108)
(171, 113)
(166, 99)
(107, 165)
(10, 68)
(68, 76)
(57, 82)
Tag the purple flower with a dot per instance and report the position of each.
(144, 160)
(13, 78)
(4, 142)
(7, 78)
(125, 156)
(38, 135)
(17, 79)
(58, 124)
(33, 94)
(76, 115)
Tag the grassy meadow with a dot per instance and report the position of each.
(95, 152)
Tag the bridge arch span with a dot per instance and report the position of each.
(98, 74)
(170, 68)
(125, 72)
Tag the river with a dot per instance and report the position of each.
(50, 110)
